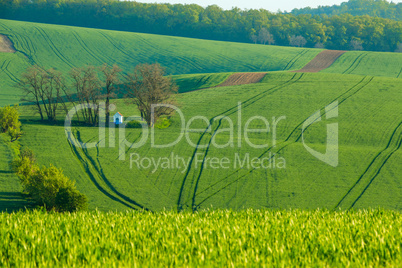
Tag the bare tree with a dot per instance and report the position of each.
(31, 84)
(265, 37)
(87, 85)
(254, 38)
(52, 93)
(319, 45)
(44, 89)
(356, 44)
(148, 86)
(111, 76)
(399, 48)
(297, 41)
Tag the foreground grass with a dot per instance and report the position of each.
(218, 238)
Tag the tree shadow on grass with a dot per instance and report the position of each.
(60, 123)
(14, 201)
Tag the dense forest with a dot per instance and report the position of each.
(373, 8)
(343, 31)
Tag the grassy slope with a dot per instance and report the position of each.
(368, 105)
(306, 183)
(62, 47)
(368, 63)
(10, 192)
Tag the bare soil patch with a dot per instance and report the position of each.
(322, 61)
(6, 45)
(242, 79)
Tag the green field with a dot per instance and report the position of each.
(212, 238)
(368, 63)
(63, 47)
(364, 84)
(295, 210)
(366, 105)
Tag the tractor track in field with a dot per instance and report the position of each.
(355, 63)
(87, 171)
(53, 47)
(372, 170)
(88, 165)
(164, 51)
(106, 181)
(4, 68)
(234, 60)
(29, 45)
(5, 27)
(400, 72)
(295, 59)
(122, 50)
(226, 113)
(322, 61)
(23, 39)
(86, 48)
(29, 52)
(346, 95)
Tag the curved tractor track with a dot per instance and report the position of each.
(293, 137)
(322, 61)
(192, 190)
(373, 169)
(97, 176)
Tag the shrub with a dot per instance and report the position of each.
(163, 123)
(26, 152)
(48, 186)
(134, 124)
(9, 122)
(69, 200)
(25, 168)
(44, 185)
(9, 118)
(14, 134)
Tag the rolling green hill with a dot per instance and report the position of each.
(370, 135)
(63, 47)
(368, 63)
(369, 121)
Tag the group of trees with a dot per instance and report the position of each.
(212, 22)
(48, 186)
(52, 93)
(373, 8)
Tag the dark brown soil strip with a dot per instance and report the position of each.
(322, 61)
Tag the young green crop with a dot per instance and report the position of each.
(367, 120)
(218, 238)
(64, 47)
(368, 63)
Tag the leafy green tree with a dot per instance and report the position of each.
(377, 23)
(48, 186)
(9, 122)
(9, 118)
(68, 199)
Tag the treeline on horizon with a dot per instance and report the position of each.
(343, 31)
(373, 8)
